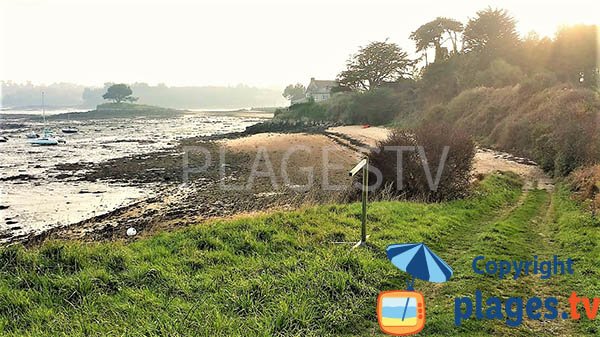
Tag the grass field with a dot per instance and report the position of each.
(279, 274)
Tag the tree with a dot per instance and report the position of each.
(373, 65)
(441, 81)
(119, 93)
(499, 74)
(294, 92)
(574, 55)
(535, 53)
(492, 34)
(432, 34)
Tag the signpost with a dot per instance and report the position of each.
(364, 165)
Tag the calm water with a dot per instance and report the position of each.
(44, 200)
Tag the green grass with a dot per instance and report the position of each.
(121, 110)
(277, 274)
(577, 236)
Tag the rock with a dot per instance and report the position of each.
(84, 191)
(18, 177)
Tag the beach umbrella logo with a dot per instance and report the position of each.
(402, 312)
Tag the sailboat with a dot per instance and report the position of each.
(31, 135)
(69, 129)
(47, 138)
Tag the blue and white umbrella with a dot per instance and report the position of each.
(419, 261)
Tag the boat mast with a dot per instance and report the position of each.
(43, 109)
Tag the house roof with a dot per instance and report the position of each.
(324, 83)
(321, 85)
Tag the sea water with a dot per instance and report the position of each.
(39, 196)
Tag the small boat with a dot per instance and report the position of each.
(3, 139)
(69, 130)
(47, 138)
(32, 135)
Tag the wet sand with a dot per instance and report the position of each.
(63, 203)
(47, 187)
(224, 188)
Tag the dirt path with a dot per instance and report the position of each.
(486, 161)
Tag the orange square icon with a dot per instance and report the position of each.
(401, 312)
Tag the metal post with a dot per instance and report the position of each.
(365, 196)
(364, 166)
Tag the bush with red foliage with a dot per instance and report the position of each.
(436, 147)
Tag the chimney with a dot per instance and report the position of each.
(312, 79)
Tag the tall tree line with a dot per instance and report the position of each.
(484, 51)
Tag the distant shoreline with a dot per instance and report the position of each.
(54, 112)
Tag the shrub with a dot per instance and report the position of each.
(556, 126)
(340, 105)
(440, 81)
(419, 168)
(585, 182)
(499, 74)
(378, 106)
(537, 83)
(303, 112)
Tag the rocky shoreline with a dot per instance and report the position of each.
(180, 203)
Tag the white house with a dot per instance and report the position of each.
(318, 90)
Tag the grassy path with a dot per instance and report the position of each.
(507, 236)
(519, 232)
(575, 234)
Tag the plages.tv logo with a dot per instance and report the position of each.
(402, 312)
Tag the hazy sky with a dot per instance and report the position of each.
(259, 43)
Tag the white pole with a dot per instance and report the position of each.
(364, 165)
(43, 110)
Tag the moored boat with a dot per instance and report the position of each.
(48, 138)
(32, 135)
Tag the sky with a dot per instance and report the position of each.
(266, 43)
